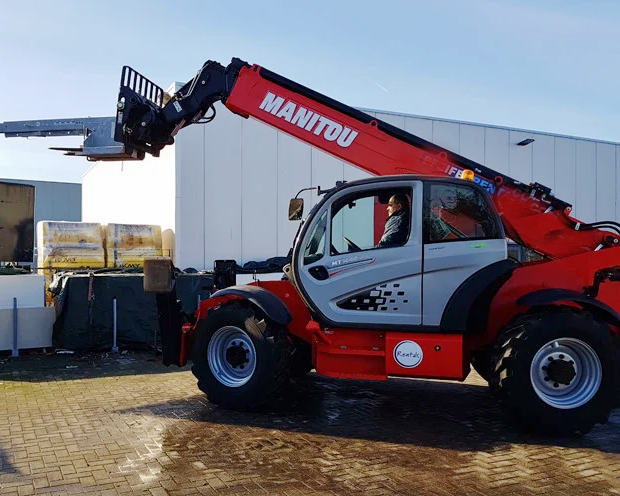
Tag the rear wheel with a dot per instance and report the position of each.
(240, 358)
(557, 371)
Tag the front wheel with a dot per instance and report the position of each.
(557, 371)
(241, 359)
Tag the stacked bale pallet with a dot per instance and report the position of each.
(128, 244)
(66, 246)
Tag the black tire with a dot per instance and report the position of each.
(272, 358)
(301, 358)
(515, 351)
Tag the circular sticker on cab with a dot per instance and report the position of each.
(408, 354)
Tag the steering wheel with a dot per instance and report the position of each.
(351, 244)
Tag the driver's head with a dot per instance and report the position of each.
(397, 202)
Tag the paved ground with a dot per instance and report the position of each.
(127, 425)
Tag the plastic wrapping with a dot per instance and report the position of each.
(128, 244)
(70, 245)
(84, 307)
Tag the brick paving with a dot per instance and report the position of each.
(124, 424)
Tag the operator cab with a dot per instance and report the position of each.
(348, 277)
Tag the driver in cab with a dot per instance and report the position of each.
(397, 224)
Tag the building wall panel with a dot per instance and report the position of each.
(605, 181)
(543, 160)
(190, 220)
(585, 187)
(422, 128)
(519, 157)
(393, 119)
(446, 134)
(294, 174)
(326, 170)
(259, 191)
(471, 142)
(496, 146)
(222, 181)
(565, 170)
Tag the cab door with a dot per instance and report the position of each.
(462, 234)
(341, 273)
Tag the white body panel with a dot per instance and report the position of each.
(447, 265)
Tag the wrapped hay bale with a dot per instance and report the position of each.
(127, 245)
(70, 245)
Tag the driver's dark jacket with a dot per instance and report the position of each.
(396, 229)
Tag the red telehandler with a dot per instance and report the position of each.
(543, 334)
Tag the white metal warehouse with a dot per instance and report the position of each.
(224, 187)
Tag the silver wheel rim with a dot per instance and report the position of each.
(567, 393)
(231, 356)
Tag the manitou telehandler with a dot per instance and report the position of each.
(543, 333)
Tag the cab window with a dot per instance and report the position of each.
(359, 220)
(454, 212)
(316, 246)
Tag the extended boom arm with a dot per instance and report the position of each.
(531, 215)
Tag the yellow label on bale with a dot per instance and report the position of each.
(127, 245)
(70, 245)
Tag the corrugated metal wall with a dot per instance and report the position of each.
(236, 176)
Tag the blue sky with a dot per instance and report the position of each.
(547, 65)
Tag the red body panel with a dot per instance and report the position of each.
(188, 330)
(375, 355)
(351, 354)
(290, 297)
(440, 356)
(574, 273)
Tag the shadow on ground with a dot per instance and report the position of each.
(42, 367)
(5, 465)
(449, 415)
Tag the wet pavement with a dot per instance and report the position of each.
(124, 424)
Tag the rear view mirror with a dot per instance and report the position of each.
(296, 209)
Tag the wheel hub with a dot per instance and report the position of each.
(231, 356)
(566, 373)
(237, 355)
(561, 371)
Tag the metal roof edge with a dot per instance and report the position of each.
(493, 126)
